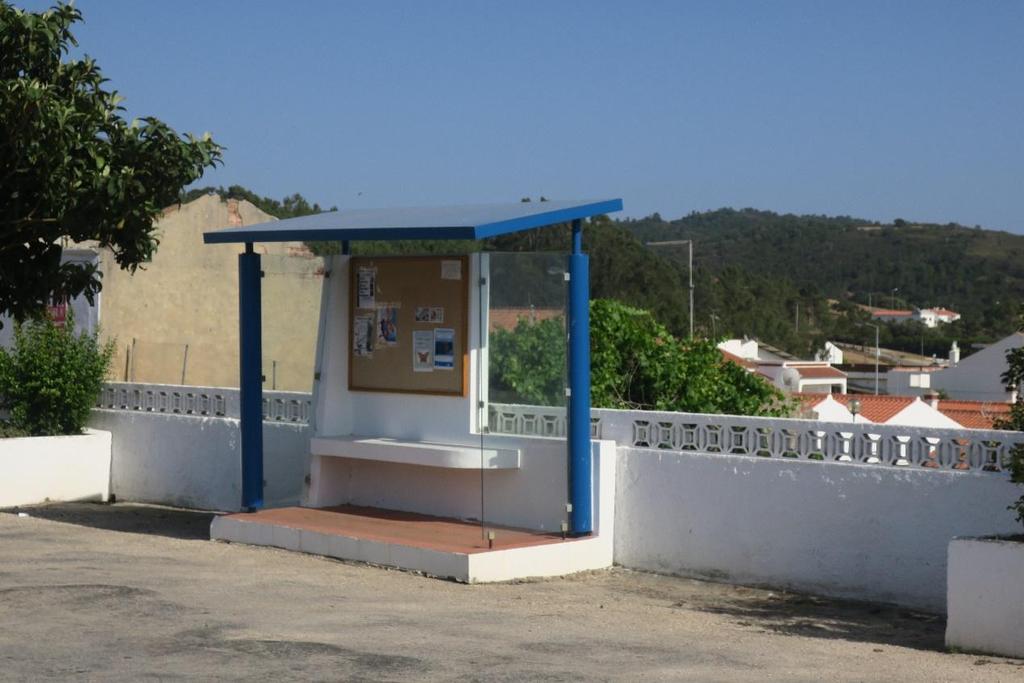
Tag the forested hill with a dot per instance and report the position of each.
(979, 273)
(792, 281)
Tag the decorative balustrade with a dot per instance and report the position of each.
(278, 406)
(860, 443)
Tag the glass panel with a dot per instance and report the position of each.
(522, 383)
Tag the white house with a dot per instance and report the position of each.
(933, 316)
(747, 349)
(892, 410)
(978, 377)
(788, 374)
(830, 353)
(816, 377)
(929, 317)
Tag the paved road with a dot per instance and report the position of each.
(124, 592)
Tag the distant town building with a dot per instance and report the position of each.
(830, 353)
(911, 411)
(817, 377)
(508, 318)
(782, 369)
(979, 376)
(929, 317)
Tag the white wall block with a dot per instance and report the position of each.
(55, 468)
(847, 530)
(986, 596)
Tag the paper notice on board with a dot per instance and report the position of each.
(387, 325)
(429, 314)
(362, 334)
(444, 349)
(423, 351)
(451, 270)
(366, 288)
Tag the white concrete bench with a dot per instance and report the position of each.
(415, 452)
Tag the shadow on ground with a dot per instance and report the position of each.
(131, 518)
(810, 616)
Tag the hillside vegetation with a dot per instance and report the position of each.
(792, 281)
(752, 261)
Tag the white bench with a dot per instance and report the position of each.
(415, 452)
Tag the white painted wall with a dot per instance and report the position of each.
(532, 497)
(831, 410)
(921, 414)
(977, 377)
(195, 462)
(856, 531)
(831, 353)
(744, 348)
(55, 468)
(986, 596)
(907, 382)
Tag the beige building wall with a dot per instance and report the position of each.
(188, 297)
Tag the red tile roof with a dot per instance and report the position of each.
(508, 318)
(818, 371)
(806, 399)
(974, 414)
(878, 409)
(881, 409)
(945, 312)
(893, 312)
(738, 360)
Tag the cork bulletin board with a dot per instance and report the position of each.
(409, 324)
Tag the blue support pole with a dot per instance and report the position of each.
(581, 482)
(250, 347)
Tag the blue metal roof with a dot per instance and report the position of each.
(422, 223)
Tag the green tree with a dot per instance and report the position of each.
(635, 363)
(290, 206)
(527, 363)
(71, 166)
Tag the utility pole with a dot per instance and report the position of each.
(894, 290)
(798, 317)
(689, 244)
(877, 352)
(876, 359)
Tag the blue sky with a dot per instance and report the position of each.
(874, 109)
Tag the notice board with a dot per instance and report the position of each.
(409, 324)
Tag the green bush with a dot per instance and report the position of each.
(51, 378)
(528, 363)
(635, 363)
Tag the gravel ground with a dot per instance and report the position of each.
(130, 592)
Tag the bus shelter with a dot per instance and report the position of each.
(398, 420)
